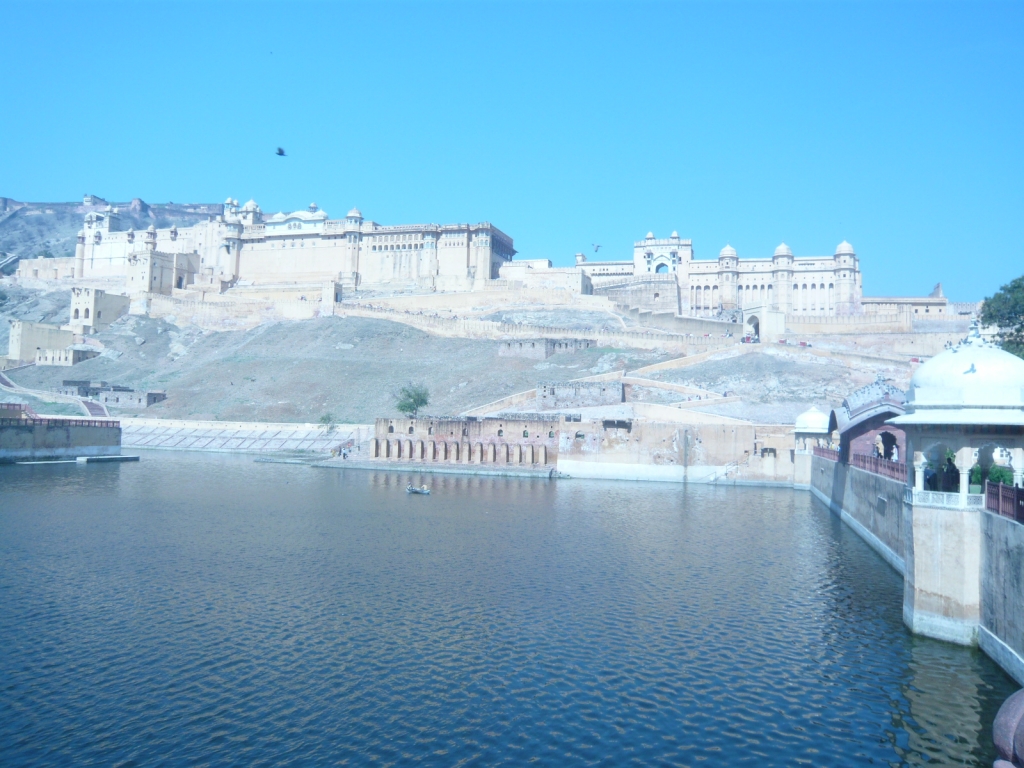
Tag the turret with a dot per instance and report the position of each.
(782, 277)
(80, 254)
(728, 276)
(847, 273)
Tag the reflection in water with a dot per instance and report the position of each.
(222, 610)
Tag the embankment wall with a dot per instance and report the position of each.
(873, 506)
(1002, 592)
(38, 439)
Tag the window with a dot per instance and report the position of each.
(410, 430)
(526, 433)
(391, 429)
(76, 314)
(501, 433)
(551, 433)
(86, 313)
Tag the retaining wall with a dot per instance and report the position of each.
(1002, 592)
(873, 506)
(38, 439)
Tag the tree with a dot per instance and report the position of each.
(411, 398)
(327, 423)
(1005, 310)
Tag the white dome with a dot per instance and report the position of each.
(972, 383)
(727, 251)
(650, 235)
(355, 214)
(783, 250)
(251, 206)
(675, 235)
(812, 421)
(845, 249)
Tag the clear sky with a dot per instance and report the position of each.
(896, 126)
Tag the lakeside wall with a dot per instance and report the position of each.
(40, 439)
(875, 508)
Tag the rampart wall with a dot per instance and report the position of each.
(220, 314)
(845, 324)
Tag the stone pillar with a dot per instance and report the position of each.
(964, 461)
(919, 465)
(80, 255)
(1017, 460)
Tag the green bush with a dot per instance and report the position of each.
(996, 474)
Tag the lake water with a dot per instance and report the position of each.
(209, 609)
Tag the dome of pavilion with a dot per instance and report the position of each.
(812, 421)
(783, 250)
(727, 252)
(975, 382)
(845, 249)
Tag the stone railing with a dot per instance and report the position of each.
(879, 466)
(945, 500)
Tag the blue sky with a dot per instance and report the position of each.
(896, 126)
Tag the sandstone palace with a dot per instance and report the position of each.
(235, 246)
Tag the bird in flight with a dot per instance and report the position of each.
(280, 152)
(596, 247)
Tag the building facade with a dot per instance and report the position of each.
(814, 285)
(243, 245)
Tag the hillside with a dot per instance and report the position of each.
(301, 370)
(31, 230)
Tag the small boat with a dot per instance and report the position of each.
(422, 489)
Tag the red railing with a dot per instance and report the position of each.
(826, 453)
(1005, 500)
(58, 423)
(893, 469)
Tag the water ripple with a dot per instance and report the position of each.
(191, 609)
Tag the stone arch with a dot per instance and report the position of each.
(478, 452)
(408, 449)
(76, 313)
(661, 268)
(754, 326)
(996, 462)
(491, 454)
(543, 459)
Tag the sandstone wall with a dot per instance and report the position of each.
(871, 504)
(1002, 592)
